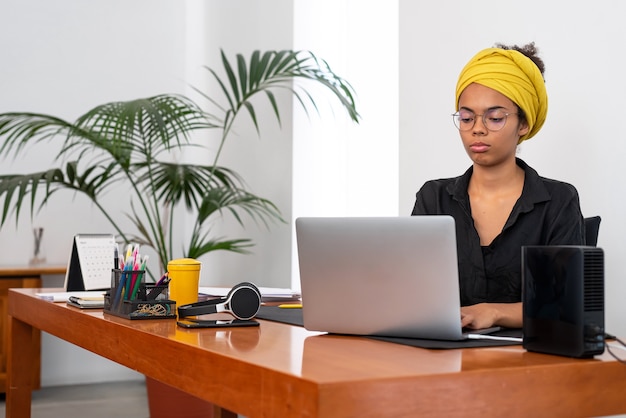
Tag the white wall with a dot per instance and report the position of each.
(341, 168)
(582, 141)
(322, 163)
(264, 161)
(63, 58)
(69, 56)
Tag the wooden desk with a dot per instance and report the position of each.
(279, 370)
(18, 277)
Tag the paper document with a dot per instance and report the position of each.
(65, 296)
(268, 294)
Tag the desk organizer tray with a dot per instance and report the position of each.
(141, 309)
(138, 300)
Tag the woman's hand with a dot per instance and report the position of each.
(485, 315)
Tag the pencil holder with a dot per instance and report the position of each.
(129, 297)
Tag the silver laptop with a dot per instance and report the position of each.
(386, 276)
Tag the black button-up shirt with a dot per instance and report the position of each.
(547, 213)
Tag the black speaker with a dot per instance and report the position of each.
(243, 301)
(563, 300)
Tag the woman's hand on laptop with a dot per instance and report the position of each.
(485, 315)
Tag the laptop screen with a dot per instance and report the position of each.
(391, 276)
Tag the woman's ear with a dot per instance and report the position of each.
(523, 129)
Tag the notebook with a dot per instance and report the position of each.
(384, 276)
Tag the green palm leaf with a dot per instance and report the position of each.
(276, 70)
(218, 200)
(147, 127)
(201, 245)
(15, 188)
(130, 143)
(189, 183)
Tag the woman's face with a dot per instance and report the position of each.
(488, 147)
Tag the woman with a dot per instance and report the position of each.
(500, 203)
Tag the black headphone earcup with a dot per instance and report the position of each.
(245, 300)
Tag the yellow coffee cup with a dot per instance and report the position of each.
(184, 274)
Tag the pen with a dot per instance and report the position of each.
(135, 256)
(127, 277)
(493, 337)
(137, 283)
(117, 300)
(129, 252)
(116, 256)
(290, 306)
(161, 279)
(134, 276)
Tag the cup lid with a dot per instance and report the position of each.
(184, 263)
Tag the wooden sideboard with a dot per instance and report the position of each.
(19, 277)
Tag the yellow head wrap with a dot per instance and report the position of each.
(513, 74)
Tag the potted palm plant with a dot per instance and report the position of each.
(132, 143)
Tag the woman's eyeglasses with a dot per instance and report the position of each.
(493, 119)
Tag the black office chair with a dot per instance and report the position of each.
(592, 227)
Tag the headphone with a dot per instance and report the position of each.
(243, 301)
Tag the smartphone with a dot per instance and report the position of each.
(220, 323)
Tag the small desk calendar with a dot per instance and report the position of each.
(91, 262)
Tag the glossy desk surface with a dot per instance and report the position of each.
(279, 370)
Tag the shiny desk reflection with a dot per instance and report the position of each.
(279, 370)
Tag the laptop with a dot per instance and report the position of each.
(382, 276)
